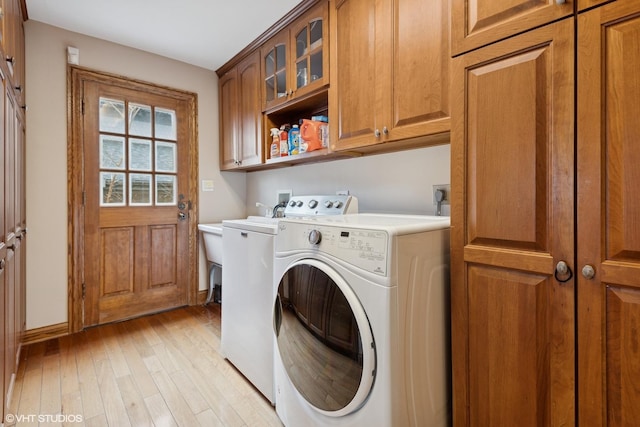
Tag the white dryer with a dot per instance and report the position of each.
(361, 319)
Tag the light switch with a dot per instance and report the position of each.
(207, 185)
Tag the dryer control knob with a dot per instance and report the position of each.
(315, 237)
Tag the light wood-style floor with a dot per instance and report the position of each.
(159, 370)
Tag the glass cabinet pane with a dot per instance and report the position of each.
(302, 75)
(316, 66)
(315, 34)
(270, 63)
(301, 43)
(139, 120)
(281, 83)
(271, 89)
(281, 57)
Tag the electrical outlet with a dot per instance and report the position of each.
(284, 196)
(447, 193)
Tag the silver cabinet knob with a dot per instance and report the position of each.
(377, 133)
(560, 1)
(588, 272)
(385, 130)
(563, 273)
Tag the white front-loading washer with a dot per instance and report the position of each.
(361, 315)
(247, 285)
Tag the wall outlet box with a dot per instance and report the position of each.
(207, 185)
(284, 196)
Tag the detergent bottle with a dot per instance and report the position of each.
(284, 140)
(275, 143)
(294, 140)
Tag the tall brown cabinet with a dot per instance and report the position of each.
(545, 213)
(12, 196)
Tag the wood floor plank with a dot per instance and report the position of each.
(72, 407)
(134, 402)
(50, 398)
(114, 408)
(159, 411)
(162, 370)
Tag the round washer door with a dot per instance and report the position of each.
(324, 338)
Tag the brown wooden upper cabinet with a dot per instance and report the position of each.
(389, 71)
(295, 62)
(480, 22)
(240, 115)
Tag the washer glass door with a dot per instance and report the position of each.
(324, 338)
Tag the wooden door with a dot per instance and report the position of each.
(608, 156)
(512, 222)
(355, 83)
(137, 200)
(250, 114)
(419, 46)
(476, 23)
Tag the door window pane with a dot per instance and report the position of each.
(111, 115)
(112, 152)
(165, 157)
(112, 189)
(165, 124)
(139, 119)
(316, 66)
(165, 190)
(270, 63)
(139, 189)
(281, 56)
(139, 154)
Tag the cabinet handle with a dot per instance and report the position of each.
(9, 59)
(2, 264)
(385, 130)
(588, 272)
(377, 133)
(562, 269)
(560, 1)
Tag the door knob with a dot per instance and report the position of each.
(588, 272)
(563, 273)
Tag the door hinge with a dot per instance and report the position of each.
(84, 290)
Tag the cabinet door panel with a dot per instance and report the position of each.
(250, 126)
(512, 207)
(608, 213)
(420, 82)
(510, 317)
(477, 23)
(353, 82)
(228, 89)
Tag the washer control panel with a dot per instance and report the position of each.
(301, 206)
(363, 248)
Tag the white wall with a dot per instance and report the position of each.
(46, 154)
(387, 183)
(397, 183)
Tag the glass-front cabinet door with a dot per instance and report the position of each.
(309, 50)
(296, 60)
(274, 70)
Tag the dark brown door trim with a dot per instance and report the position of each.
(76, 76)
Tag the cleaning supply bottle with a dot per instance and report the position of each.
(275, 143)
(294, 140)
(284, 140)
